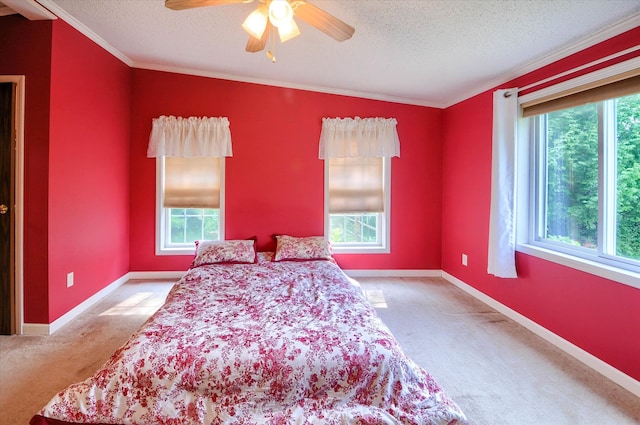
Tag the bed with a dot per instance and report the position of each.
(271, 339)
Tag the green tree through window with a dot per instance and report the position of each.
(192, 224)
(576, 175)
(628, 177)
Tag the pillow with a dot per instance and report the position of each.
(231, 251)
(306, 248)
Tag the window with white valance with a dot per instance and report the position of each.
(357, 153)
(190, 156)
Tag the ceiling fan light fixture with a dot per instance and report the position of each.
(271, 14)
(256, 22)
(288, 30)
(280, 12)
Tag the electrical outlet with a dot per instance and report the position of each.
(69, 280)
(464, 259)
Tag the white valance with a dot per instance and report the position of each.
(359, 137)
(190, 137)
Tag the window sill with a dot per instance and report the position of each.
(176, 251)
(625, 277)
(359, 250)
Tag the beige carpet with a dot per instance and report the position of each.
(497, 371)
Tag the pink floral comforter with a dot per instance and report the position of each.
(272, 342)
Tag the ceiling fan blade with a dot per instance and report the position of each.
(257, 44)
(323, 21)
(190, 4)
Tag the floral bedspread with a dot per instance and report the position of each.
(272, 342)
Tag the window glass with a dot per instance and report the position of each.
(354, 228)
(191, 224)
(628, 177)
(587, 179)
(571, 182)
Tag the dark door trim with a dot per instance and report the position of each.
(19, 80)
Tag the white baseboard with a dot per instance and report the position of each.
(393, 273)
(35, 329)
(157, 275)
(585, 357)
(350, 273)
(48, 329)
(44, 329)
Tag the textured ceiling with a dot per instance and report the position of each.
(425, 52)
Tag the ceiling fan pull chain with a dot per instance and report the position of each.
(272, 46)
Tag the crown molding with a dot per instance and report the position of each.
(86, 31)
(283, 84)
(606, 33)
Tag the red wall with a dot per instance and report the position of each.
(88, 169)
(76, 163)
(596, 314)
(274, 181)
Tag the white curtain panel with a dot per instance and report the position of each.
(190, 137)
(359, 137)
(502, 215)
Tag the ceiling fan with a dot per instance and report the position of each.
(276, 14)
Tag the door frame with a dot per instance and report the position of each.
(18, 181)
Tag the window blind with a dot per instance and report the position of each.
(609, 88)
(192, 182)
(356, 185)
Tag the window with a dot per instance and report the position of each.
(190, 198)
(357, 155)
(584, 174)
(358, 194)
(189, 156)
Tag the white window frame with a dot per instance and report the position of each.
(526, 187)
(162, 215)
(383, 244)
